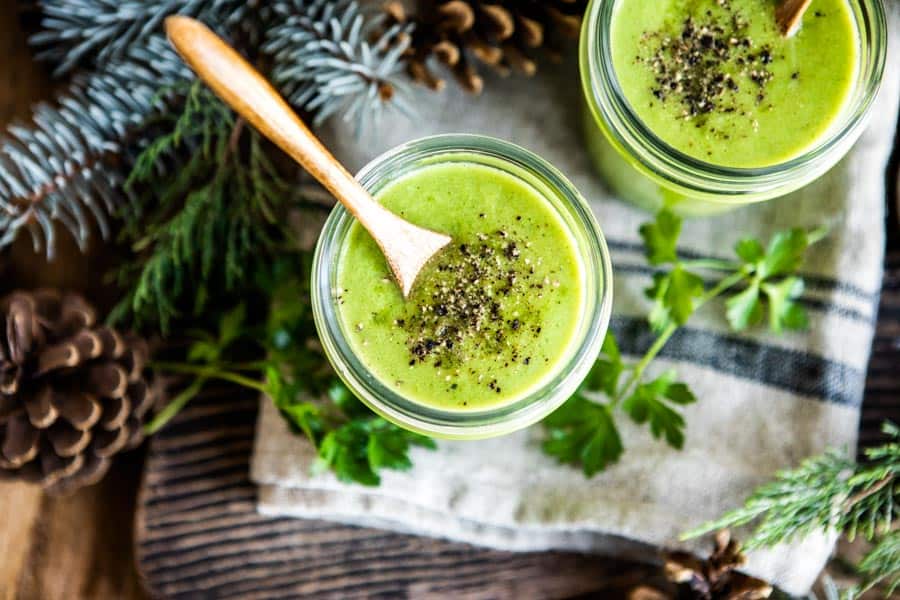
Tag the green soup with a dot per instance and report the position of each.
(716, 80)
(491, 317)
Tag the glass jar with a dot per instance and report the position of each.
(641, 168)
(569, 371)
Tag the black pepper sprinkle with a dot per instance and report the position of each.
(699, 65)
(464, 308)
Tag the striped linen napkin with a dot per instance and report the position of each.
(765, 401)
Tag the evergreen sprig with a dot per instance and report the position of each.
(65, 166)
(69, 164)
(830, 493)
(880, 567)
(323, 61)
(208, 206)
(93, 32)
(762, 279)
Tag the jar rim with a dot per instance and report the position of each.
(668, 165)
(567, 374)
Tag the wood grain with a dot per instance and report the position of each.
(79, 546)
(199, 535)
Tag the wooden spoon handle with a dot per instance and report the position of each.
(789, 14)
(245, 90)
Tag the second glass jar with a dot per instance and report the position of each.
(641, 168)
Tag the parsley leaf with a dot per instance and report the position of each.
(661, 238)
(782, 257)
(302, 415)
(358, 449)
(344, 399)
(648, 403)
(232, 323)
(683, 287)
(750, 250)
(744, 309)
(784, 311)
(354, 442)
(784, 254)
(583, 432)
(604, 374)
(673, 296)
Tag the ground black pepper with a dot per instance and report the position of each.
(703, 62)
(463, 299)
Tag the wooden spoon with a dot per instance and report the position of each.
(789, 14)
(405, 246)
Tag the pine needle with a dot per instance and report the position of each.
(93, 32)
(209, 206)
(64, 166)
(325, 62)
(825, 493)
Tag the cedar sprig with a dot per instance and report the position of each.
(827, 492)
(327, 59)
(208, 205)
(761, 281)
(880, 567)
(831, 493)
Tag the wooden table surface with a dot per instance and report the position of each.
(79, 546)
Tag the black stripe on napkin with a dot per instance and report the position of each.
(782, 368)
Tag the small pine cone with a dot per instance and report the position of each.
(501, 34)
(715, 578)
(72, 393)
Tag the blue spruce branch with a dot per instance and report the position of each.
(327, 56)
(94, 32)
(325, 60)
(60, 167)
(68, 164)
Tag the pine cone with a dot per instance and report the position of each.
(501, 34)
(716, 578)
(72, 393)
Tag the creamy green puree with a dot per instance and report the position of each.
(491, 317)
(716, 80)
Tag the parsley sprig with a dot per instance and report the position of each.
(761, 280)
(289, 367)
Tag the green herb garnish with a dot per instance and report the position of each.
(762, 279)
(831, 493)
